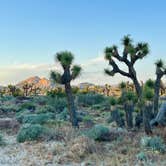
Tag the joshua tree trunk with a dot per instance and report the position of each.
(156, 95)
(137, 87)
(146, 118)
(71, 106)
(129, 109)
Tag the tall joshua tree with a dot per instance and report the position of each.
(69, 73)
(160, 72)
(131, 54)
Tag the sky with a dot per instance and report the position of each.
(32, 31)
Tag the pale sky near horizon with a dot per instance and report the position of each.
(32, 31)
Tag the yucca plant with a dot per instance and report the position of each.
(70, 73)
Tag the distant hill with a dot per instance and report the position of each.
(42, 83)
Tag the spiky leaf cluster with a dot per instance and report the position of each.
(65, 58)
(131, 53)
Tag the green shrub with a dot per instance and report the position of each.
(113, 101)
(141, 156)
(8, 108)
(148, 93)
(105, 105)
(28, 106)
(21, 114)
(37, 118)
(98, 132)
(56, 93)
(63, 115)
(7, 98)
(150, 83)
(58, 103)
(40, 100)
(153, 143)
(45, 109)
(90, 99)
(87, 118)
(31, 132)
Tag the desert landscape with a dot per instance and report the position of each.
(76, 89)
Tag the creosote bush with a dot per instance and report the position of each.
(31, 132)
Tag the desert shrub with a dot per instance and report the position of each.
(141, 156)
(8, 108)
(105, 105)
(54, 123)
(7, 98)
(90, 99)
(98, 132)
(37, 118)
(31, 132)
(148, 93)
(40, 100)
(113, 101)
(28, 106)
(81, 147)
(56, 93)
(21, 114)
(153, 143)
(2, 142)
(87, 118)
(63, 115)
(45, 109)
(149, 83)
(58, 103)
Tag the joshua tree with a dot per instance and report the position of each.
(12, 89)
(26, 87)
(70, 73)
(160, 72)
(131, 54)
(107, 89)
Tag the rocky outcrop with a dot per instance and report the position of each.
(41, 83)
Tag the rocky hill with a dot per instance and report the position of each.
(42, 83)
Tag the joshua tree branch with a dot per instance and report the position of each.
(121, 58)
(117, 70)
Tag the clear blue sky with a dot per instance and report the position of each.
(31, 31)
